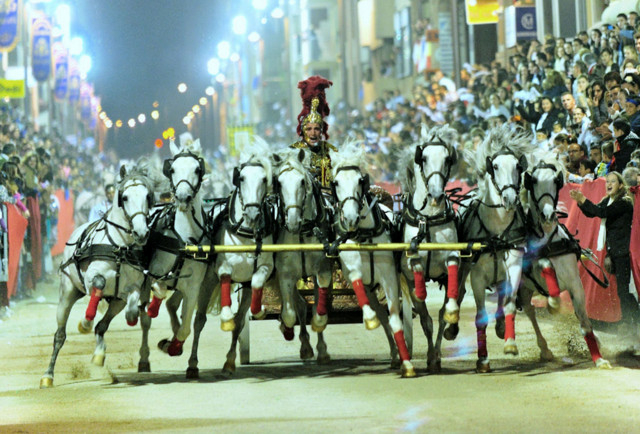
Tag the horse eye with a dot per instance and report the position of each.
(241, 179)
(171, 171)
(302, 182)
(495, 167)
(125, 198)
(198, 171)
(264, 180)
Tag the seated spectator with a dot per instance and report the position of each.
(585, 172)
(577, 153)
(626, 142)
(631, 176)
(100, 209)
(595, 154)
(607, 154)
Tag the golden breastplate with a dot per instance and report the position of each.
(320, 160)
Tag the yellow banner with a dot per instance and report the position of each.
(238, 137)
(11, 88)
(482, 11)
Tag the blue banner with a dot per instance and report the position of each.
(526, 25)
(61, 70)
(41, 49)
(74, 80)
(9, 19)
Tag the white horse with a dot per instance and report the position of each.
(104, 259)
(173, 226)
(494, 216)
(248, 219)
(359, 219)
(553, 255)
(301, 209)
(427, 216)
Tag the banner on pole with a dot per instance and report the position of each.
(9, 19)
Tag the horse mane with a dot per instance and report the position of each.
(289, 157)
(351, 153)
(140, 172)
(258, 152)
(504, 136)
(443, 133)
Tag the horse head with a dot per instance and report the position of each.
(543, 183)
(350, 184)
(185, 171)
(293, 185)
(131, 204)
(505, 171)
(252, 180)
(434, 158)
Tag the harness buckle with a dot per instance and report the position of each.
(200, 255)
(411, 255)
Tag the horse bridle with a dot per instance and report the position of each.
(276, 183)
(521, 166)
(167, 169)
(364, 182)
(238, 185)
(449, 161)
(129, 218)
(529, 182)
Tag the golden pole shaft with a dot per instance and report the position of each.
(270, 248)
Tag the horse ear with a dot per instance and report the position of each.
(453, 156)
(236, 177)
(489, 166)
(173, 147)
(123, 171)
(166, 168)
(301, 155)
(276, 158)
(559, 180)
(417, 158)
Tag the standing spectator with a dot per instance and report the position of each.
(100, 209)
(626, 142)
(577, 153)
(633, 112)
(616, 212)
(569, 104)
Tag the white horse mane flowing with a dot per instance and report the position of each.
(351, 153)
(497, 138)
(258, 151)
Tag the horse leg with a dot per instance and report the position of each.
(97, 286)
(204, 295)
(306, 352)
(172, 308)
(189, 300)
(381, 312)
(513, 265)
(323, 280)
(433, 359)
(452, 309)
(479, 282)
(257, 283)
(289, 306)
(230, 365)
(450, 330)
(545, 353)
(549, 274)
(578, 299)
(499, 316)
(145, 325)
(115, 306)
(420, 287)
(68, 297)
(227, 322)
(131, 310)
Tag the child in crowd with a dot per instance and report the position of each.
(586, 171)
(607, 154)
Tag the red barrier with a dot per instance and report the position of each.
(17, 226)
(66, 224)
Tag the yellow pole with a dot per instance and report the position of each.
(269, 248)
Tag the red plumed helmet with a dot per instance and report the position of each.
(312, 89)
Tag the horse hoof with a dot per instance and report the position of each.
(452, 317)
(144, 367)
(98, 359)
(260, 315)
(46, 383)
(451, 332)
(324, 359)
(306, 353)
(407, 370)
(193, 373)
(228, 326)
(546, 356)
(434, 367)
(372, 324)
(163, 345)
(500, 327)
(603, 364)
(84, 329)
(482, 366)
(132, 323)
(175, 348)
(553, 305)
(510, 347)
(287, 332)
(229, 367)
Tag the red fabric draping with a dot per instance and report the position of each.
(33, 206)
(634, 245)
(602, 304)
(66, 224)
(17, 226)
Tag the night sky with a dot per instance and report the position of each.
(141, 50)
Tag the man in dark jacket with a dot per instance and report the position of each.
(626, 142)
(633, 112)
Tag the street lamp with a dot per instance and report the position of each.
(213, 66)
(155, 115)
(131, 123)
(239, 25)
(254, 37)
(210, 90)
(182, 88)
(76, 46)
(259, 4)
(142, 118)
(224, 50)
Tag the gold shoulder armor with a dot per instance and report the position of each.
(331, 147)
(299, 145)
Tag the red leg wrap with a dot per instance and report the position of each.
(421, 287)
(132, 323)
(592, 344)
(550, 278)
(96, 295)
(154, 307)
(452, 282)
(321, 306)
(402, 345)
(510, 326)
(175, 349)
(225, 291)
(361, 295)
(482, 342)
(256, 300)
